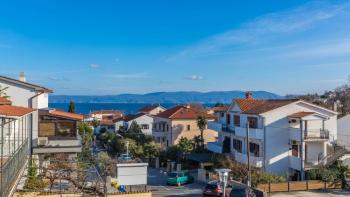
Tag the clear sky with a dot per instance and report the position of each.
(111, 47)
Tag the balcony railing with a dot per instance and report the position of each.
(316, 134)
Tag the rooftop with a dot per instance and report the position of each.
(14, 111)
(149, 108)
(257, 106)
(5, 101)
(183, 112)
(26, 84)
(67, 115)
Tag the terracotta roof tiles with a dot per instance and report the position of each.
(254, 106)
(15, 111)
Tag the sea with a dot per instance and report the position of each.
(126, 108)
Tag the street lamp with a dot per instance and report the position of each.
(223, 175)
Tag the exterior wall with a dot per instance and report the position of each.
(19, 95)
(132, 174)
(145, 119)
(179, 129)
(343, 135)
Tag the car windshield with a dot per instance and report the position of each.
(173, 174)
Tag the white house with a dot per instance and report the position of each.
(286, 137)
(152, 109)
(144, 121)
(24, 94)
(47, 128)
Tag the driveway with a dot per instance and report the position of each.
(334, 193)
(157, 184)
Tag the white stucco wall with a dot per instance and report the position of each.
(344, 130)
(145, 119)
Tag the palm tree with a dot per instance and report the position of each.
(202, 125)
(2, 92)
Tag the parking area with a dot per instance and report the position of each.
(334, 193)
(157, 184)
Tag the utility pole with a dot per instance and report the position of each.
(248, 155)
(127, 148)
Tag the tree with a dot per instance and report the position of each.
(219, 104)
(33, 181)
(71, 107)
(185, 145)
(95, 123)
(202, 125)
(151, 150)
(197, 142)
(86, 132)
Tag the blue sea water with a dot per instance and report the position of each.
(86, 108)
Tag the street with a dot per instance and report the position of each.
(157, 184)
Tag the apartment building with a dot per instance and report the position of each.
(180, 121)
(106, 119)
(285, 137)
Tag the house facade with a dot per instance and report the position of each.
(144, 121)
(285, 137)
(28, 95)
(180, 121)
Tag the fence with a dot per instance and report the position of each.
(299, 186)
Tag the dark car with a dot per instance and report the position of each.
(241, 190)
(212, 188)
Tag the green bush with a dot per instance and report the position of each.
(263, 177)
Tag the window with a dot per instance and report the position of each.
(254, 149)
(167, 127)
(295, 150)
(188, 127)
(222, 114)
(237, 120)
(144, 126)
(237, 145)
(228, 119)
(253, 122)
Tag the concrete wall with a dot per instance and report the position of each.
(132, 174)
(344, 130)
(145, 119)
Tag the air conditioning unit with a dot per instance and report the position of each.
(42, 141)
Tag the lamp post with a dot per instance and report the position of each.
(223, 176)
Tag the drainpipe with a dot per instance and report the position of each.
(265, 138)
(302, 150)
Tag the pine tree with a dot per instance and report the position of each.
(71, 107)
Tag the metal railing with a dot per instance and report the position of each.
(316, 134)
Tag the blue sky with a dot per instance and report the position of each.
(112, 47)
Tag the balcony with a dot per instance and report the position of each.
(254, 161)
(253, 133)
(309, 135)
(216, 126)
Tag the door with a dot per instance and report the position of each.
(228, 119)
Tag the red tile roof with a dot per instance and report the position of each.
(9, 110)
(301, 114)
(254, 106)
(148, 108)
(183, 112)
(220, 109)
(132, 116)
(67, 115)
(5, 101)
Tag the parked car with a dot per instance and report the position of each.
(241, 190)
(212, 188)
(124, 157)
(179, 178)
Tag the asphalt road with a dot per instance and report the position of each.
(157, 184)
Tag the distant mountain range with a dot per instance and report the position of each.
(164, 97)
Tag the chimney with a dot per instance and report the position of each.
(248, 95)
(22, 77)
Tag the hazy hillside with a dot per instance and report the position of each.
(164, 97)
